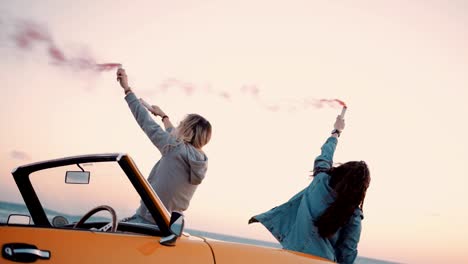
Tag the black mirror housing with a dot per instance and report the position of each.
(176, 226)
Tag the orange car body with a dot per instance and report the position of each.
(67, 244)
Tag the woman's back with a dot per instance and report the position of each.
(294, 223)
(176, 176)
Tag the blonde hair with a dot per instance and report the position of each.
(194, 129)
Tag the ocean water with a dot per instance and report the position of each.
(6, 208)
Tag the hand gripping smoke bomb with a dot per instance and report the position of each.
(343, 111)
(343, 104)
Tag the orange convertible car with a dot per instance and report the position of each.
(75, 211)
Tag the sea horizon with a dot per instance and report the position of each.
(7, 207)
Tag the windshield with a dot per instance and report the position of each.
(108, 185)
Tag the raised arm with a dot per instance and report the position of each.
(325, 160)
(157, 111)
(155, 133)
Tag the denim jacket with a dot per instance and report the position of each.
(292, 223)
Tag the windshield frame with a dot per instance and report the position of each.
(21, 176)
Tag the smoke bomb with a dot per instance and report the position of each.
(343, 111)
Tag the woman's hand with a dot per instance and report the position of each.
(339, 123)
(157, 111)
(154, 109)
(122, 79)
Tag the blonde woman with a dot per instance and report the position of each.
(183, 165)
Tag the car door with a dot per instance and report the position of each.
(81, 246)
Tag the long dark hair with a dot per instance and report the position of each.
(350, 182)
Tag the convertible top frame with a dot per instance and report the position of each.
(148, 195)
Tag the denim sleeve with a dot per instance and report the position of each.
(158, 136)
(170, 129)
(325, 160)
(346, 247)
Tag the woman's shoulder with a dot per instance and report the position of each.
(196, 153)
(319, 194)
(323, 178)
(188, 151)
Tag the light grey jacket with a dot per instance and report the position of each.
(182, 167)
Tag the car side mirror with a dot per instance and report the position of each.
(19, 219)
(176, 226)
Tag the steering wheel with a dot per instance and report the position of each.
(98, 209)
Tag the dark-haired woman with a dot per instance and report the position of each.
(324, 219)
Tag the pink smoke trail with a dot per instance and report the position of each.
(252, 91)
(225, 95)
(334, 101)
(19, 155)
(188, 88)
(331, 102)
(28, 34)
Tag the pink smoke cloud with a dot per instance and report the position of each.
(29, 34)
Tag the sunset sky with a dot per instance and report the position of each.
(255, 68)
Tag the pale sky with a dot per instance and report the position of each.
(401, 66)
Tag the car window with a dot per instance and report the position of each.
(66, 203)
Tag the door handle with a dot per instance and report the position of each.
(25, 253)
